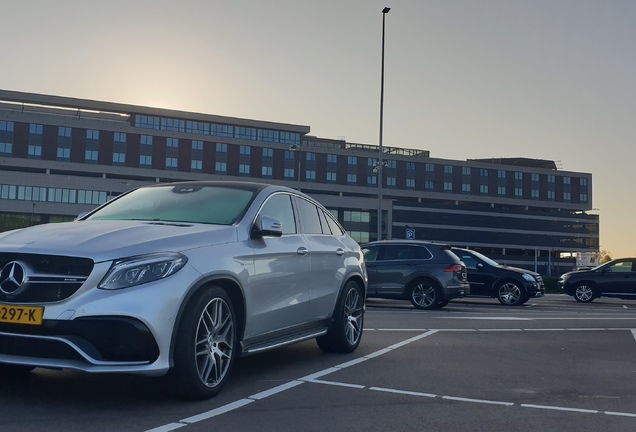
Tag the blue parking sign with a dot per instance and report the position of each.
(410, 234)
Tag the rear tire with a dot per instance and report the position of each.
(425, 295)
(583, 293)
(206, 345)
(345, 331)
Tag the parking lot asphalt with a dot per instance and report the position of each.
(552, 364)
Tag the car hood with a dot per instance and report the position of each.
(519, 270)
(108, 240)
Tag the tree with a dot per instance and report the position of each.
(605, 257)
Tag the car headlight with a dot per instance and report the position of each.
(142, 269)
(528, 277)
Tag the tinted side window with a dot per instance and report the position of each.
(279, 207)
(405, 252)
(370, 253)
(470, 262)
(335, 228)
(309, 217)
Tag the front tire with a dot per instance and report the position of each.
(206, 345)
(345, 331)
(583, 293)
(424, 295)
(511, 294)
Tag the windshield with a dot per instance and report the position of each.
(220, 205)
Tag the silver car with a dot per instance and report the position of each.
(180, 278)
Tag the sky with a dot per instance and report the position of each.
(464, 79)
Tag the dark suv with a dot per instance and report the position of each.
(510, 285)
(427, 274)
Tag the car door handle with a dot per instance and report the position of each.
(302, 251)
(340, 252)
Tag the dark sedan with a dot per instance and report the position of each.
(616, 278)
(510, 285)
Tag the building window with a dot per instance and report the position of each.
(310, 156)
(483, 172)
(352, 160)
(372, 180)
(466, 187)
(6, 148)
(566, 180)
(535, 177)
(268, 152)
(410, 166)
(352, 178)
(146, 140)
(221, 148)
(390, 181)
(483, 189)
(6, 126)
(171, 163)
(448, 186)
(518, 175)
(244, 169)
(63, 153)
(535, 193)
(35, 150)
(289, 154)
(64, 131)
(244, 150)
(466, 171)
(146, 122)
(220, 167)
(448, 169)
(551, 178)
(172, 142)
(429, 167)
(145, 161)
(429, 185)
(518, 192)
(583, 182)
(266, 171)
(331, 177)
(119, 158)
(410, 183)
(35, 129)
(501, 174)
(501, 190)
(391, 164)
(583, 198)
(331, 158)
(92, 134)
(120, 137)
(289, 173)
(310, 175)
(196, 165)
(197, 145)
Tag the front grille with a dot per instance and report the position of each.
(54, 278)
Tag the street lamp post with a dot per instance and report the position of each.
(381, 164)
(296, 148)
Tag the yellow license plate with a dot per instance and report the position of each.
(21, 314)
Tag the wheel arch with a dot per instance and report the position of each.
(233, 289)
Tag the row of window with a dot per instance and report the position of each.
(50, 194)
(215, 129)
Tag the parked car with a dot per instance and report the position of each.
(616, 278)
(512, 286)
(179, 278)
(427, 274)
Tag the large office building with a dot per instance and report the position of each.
(63, 156)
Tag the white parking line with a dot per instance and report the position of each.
(313, 378)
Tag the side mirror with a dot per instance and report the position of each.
(267, 226)
(480, 266)
(81, 215)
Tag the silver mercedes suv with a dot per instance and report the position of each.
(179, 278)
